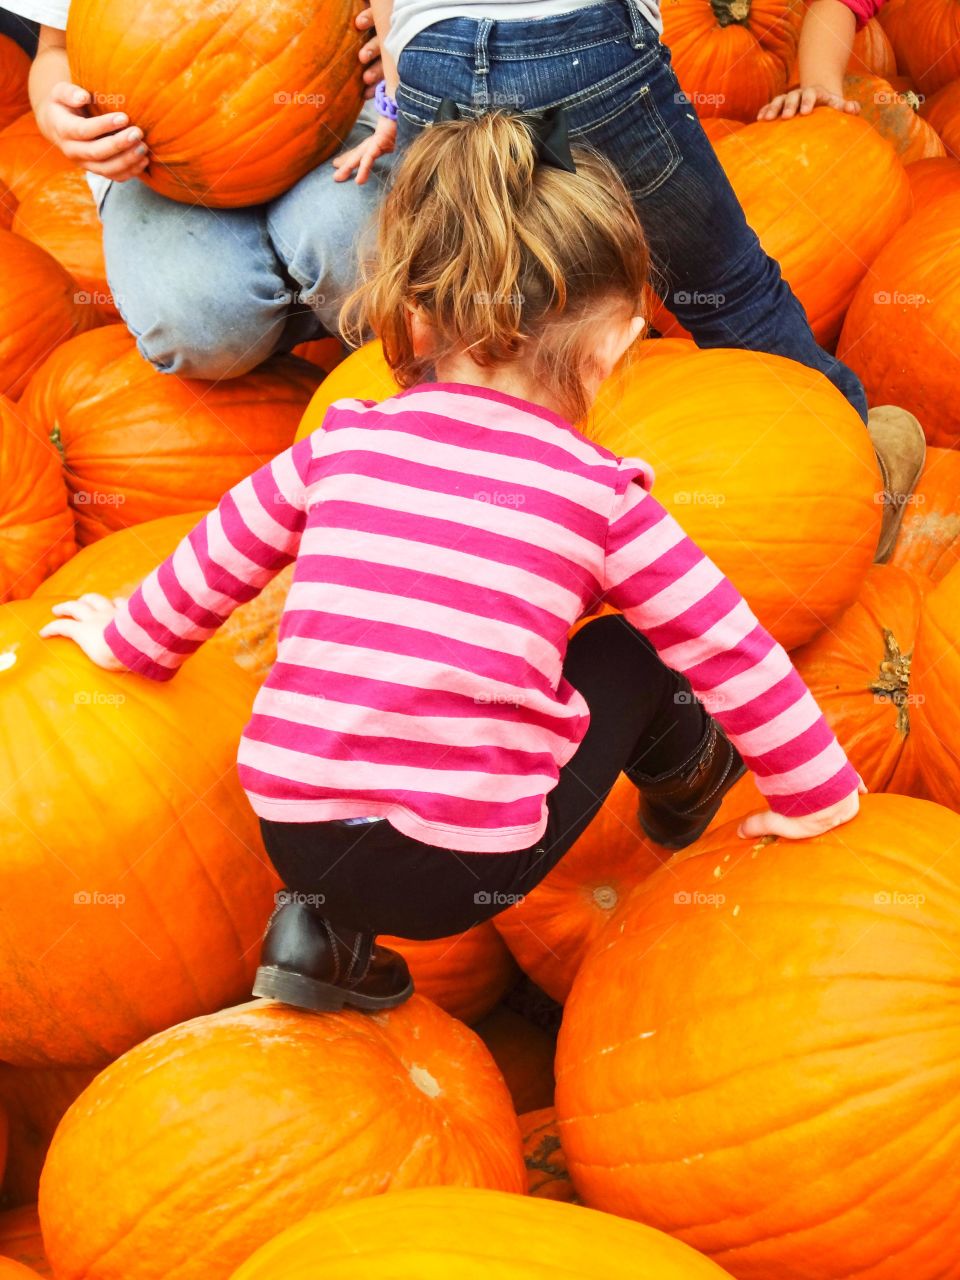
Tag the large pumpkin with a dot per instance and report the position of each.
(14, 73)
(936, 677)
(60, 215)
(27, 159)
(133, 885)
(200, 1144)
(236, 101)
(859, 672)
(927, 41)
(138, 444)
(894, 116)
(732, 56)
(902, 332)
(749, 451)
(942, 112)
(37, 302)
(763, 1058)
(928, 544)
(36, 523)
(784, 174)
(444, 1232)
(550, 930)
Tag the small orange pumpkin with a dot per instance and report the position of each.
(203, 1142)
(928, 544)
(466, 975)
(236, 102)
(873, 53)
(27, 159)
(895, 117)
(39, 309)
(547, 1175)
(524, 1053)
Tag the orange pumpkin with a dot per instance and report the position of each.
(466, 975)
(20, 1239)
(928, 544)
(931, 180)
(36, 524)
(27, 159)
(873, 53)
(37, 302)
(895, 117)
(8, 207)
(695, 415)
(440, 1232)
(716, 127)
(236, 102)
(327, 353)
(902, 332)
(10, 1270)
(524, 1054)
(927, 42)
(859, 672)
(14, 73)
(555, 924)
(763, 1056)
(547, 1175)
(936, 676)
(891, 17)
(138, 444)
(123, 817)
(742, 442)
(61, 216)
(732, 56)
(203, 1142)
(781, 173)
(942, 112)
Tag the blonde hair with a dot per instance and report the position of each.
(504, 256)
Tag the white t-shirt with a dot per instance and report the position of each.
(410, 17)
(53, 13)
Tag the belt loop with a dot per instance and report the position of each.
(481, 69)
(636, 22)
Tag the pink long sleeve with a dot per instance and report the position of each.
(701, 626)
(864, 10)
(251, 535)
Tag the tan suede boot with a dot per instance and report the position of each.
(901, 449)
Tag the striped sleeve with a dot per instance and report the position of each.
(230, 556)
(701, 626)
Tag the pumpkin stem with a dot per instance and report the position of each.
(57, 442)
(730, 11)
(893, 679)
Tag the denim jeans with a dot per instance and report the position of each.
(210, 293)
(606, 65)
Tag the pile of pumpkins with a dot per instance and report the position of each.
(756, 1070)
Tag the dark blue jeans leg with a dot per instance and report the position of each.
(624, 99)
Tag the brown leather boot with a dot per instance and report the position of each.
(677, 807)
(306, 963)
(901, 450)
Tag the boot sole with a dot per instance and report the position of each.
(302, 992)
(675, 845)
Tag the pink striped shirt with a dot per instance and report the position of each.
(445, 542)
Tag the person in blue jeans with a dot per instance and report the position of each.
(605, 64)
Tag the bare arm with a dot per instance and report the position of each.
(826, 42)
(383, 16)
(102, 144)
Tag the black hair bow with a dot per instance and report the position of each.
(551, 133)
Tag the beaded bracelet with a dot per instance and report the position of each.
(384, 103)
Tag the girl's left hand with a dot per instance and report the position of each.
(362, 158)
(84, 621)
(802, 101)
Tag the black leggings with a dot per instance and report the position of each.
(372, 878)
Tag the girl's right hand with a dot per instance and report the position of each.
(802, 101)
(100, 144)
(768, 823)
(361, 159)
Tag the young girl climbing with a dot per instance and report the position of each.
(603, 61)
(428, 744)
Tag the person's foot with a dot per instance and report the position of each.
(306, 963)
(901, 449)
(677, 807)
